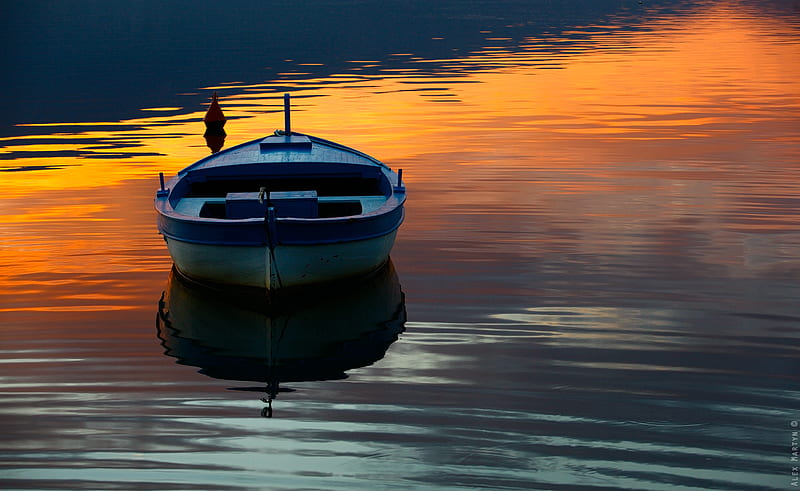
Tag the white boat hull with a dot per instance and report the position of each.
(281, 211)
(284, 267)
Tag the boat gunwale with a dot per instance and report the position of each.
(285, 243)
(385, 208)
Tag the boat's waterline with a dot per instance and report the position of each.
(284, 266)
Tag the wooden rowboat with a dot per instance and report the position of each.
(281, 211)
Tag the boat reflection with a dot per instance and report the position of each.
(316, 334)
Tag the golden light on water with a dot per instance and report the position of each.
(576, 121)
(665, 84)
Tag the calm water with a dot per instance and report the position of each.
(596, 286)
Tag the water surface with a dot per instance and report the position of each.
(595, 287)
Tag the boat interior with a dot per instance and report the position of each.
(299, 196)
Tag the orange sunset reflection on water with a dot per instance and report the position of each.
(681, 124)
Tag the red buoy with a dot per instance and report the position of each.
(214, 119)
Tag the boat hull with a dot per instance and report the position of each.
(282, 211)
(284, 265)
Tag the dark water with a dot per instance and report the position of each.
(596, 285)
